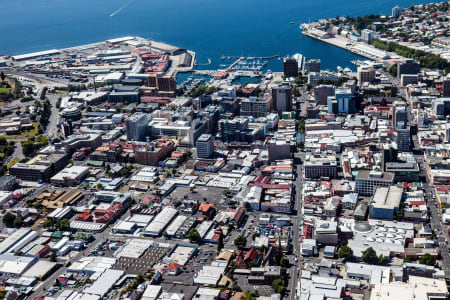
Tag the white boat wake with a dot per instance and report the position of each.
(209, 62)
(122, 7)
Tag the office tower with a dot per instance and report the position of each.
(256, 106)
(282, 98)
(399, 117)
(446, 86)
(290, 66)
(403, 140)
(136, 126)
(205, 146)
(313, 65)
(365, 74)
(321, 93)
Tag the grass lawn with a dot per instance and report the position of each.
(25, 134)
(4, 90)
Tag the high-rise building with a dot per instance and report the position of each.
(399, 117)
(446, 86)
(136, 126)
(367, 35)
(290, 67)
(205, 146)
(365, 74)
(282, 98)
(313, 65)
(321, 93)
(256, 106)
(345, 101)
(409, 66)
(396, 11)
(403, 140)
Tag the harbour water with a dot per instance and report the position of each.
(212, 28)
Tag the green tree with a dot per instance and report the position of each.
(345, 252)
(427, 259)
(47, 223)
(240, 241)
(17, 222)
(8, 219)
(247, 205)
(278, 286)
(383, 260)
(2, 76)
(63, 224)
(193, 235)
(53, 256)
(369, 256)
(407, 259)
(393, 70)
(220, 243)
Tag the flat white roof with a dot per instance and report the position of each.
(104, 283)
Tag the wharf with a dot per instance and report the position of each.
(359, 48)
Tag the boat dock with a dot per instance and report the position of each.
(250, 57)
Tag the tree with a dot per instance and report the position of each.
(47, 223)
(193, 235)
(407, 259)
(278, 286)
(345, 252)
(247, 205)
(427, 259)
(8, 219)
(63, 224)
(240, 241)
(393, 70)
(2, 76)
(220, 243)
(369, 256)
(53, 256)
(17, 222)
(383, 260)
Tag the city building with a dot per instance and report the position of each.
(282, 98)
(318, 165)
(403, 140)
(290, 67)
(41, 167)
(313, 65)
(368, 181)
(321, 93)
(385, 202)
(396, 11)
(137, 127)
(409, 66)
(256, 106)
(205, 146)
(446, 86)
(345, 102)
(367, 35)
(365, 74)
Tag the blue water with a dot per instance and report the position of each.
(212, 28)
